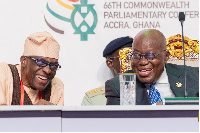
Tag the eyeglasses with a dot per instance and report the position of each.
(148, 56)
(44, 63)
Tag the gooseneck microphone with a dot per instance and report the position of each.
(182, 19)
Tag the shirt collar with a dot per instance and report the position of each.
(163, 78)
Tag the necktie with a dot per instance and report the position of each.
(154, 95)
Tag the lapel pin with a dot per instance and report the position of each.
(178, 84)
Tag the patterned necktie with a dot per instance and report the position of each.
(154, 95)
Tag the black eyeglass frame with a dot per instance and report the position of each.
(146, 55)
(46, 64)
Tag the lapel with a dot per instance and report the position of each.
(142, 97)
(175, 76)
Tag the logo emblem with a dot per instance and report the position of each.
(82, 11)
(84, 29)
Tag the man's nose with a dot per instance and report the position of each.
(47, 69)
(143, 60)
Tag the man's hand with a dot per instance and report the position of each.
(159, 103)
(43, 102)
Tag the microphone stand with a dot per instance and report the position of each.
(180, 100)
(185, 91)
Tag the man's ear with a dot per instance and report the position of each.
(109, 63)
(167, 56)
(23, 61)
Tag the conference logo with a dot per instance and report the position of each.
(81, 15)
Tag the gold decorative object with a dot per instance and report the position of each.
(101, 89)
(178, 84)
(95, 91)
(175, 47)
(90, 92)
(125, 59)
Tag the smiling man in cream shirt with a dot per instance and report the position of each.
(33, 82)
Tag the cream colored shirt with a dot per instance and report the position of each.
(6, 88)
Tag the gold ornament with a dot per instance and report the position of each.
(175, 47)
(101, 89)
(178, 84)
(125, 59)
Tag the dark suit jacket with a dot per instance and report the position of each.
(175, 74)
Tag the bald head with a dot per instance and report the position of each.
(152, 36)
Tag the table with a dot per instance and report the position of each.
(141, 118)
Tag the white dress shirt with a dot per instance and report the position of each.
(163, 86)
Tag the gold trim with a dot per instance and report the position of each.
(125, 59)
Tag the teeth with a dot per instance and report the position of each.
(41, 77)
(145, 70)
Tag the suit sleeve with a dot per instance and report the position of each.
(193, 81)
(113, 97)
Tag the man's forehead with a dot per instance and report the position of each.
(149, 40)
(150, 45)
(146, 49)
(144, 41)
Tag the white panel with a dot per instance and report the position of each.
(30, 124)
(130, 125)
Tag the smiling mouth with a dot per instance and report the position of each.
(144, 72)
(41, 77)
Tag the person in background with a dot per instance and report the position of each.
(33, 82)
(111, 53)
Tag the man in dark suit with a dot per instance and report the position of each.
(156, 79)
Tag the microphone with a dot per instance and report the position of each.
(182, 19)
(181, 16)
